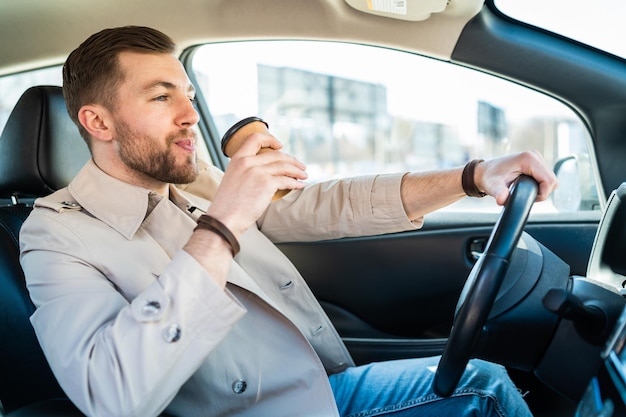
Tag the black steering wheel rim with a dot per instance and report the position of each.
(483, 284)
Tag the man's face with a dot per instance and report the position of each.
(154, 118)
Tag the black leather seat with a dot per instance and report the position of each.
(40, 152)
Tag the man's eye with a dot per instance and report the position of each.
(161, 98)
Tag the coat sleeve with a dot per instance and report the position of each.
(360, 206)
(103, 348)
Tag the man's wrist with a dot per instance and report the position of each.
(467, 179)
(212, 224)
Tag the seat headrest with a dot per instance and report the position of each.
(40, 147)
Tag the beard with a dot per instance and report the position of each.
(144, 154)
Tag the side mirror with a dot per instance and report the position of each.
(577, 189)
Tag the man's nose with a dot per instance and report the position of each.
(188, 115)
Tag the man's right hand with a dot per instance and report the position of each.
(251, 180)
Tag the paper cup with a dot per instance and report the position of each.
(239, 132)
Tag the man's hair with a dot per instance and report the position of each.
(92, 74)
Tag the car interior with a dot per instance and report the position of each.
(540, 292)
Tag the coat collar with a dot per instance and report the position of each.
(120, 205)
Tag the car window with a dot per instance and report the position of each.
(348, 110)
(12, 86)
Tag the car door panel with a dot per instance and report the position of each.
(394, 296)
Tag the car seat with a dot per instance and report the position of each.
(40, 152)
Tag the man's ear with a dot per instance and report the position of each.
(96, 120)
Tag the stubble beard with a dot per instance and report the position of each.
(145, 155)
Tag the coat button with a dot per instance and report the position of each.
(172, 333)
(239, 386)
(151, 308)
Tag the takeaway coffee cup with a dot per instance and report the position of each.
(239, 132)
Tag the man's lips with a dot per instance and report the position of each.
(187, 144)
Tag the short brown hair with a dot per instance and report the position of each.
(91, 73)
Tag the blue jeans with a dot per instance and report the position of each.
(402, 388)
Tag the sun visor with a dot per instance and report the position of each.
(414, 10)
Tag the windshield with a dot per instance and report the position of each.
(598, 23)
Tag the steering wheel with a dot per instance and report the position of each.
(482, 285)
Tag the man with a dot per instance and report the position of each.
(145, 305)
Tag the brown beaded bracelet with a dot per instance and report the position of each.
(211, 223)
(467, 179)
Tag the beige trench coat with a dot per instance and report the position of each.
(133, 326)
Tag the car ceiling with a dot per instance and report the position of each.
(43, 32)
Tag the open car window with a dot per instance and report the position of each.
(346, 110)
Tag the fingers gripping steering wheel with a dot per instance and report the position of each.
(482, 285)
